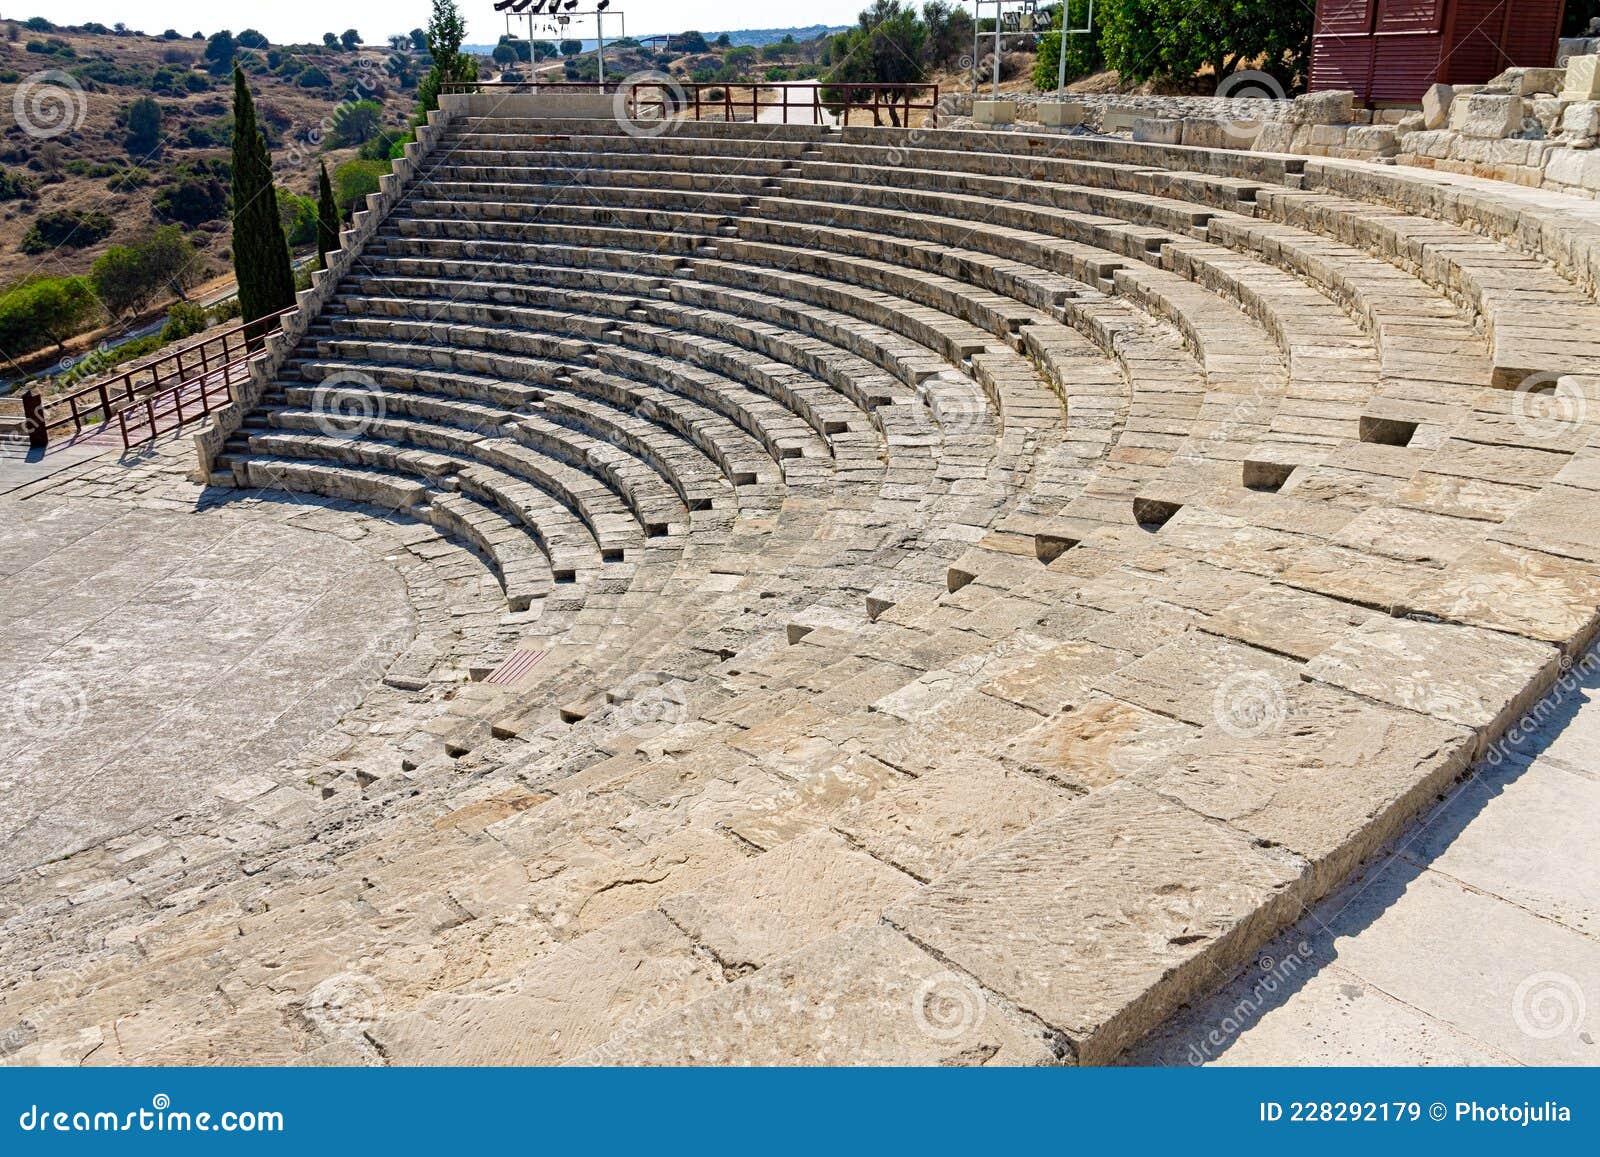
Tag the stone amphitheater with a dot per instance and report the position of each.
(726, 593)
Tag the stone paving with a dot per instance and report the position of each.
(909, 596)
(1472, 941)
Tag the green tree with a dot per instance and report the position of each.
(327, 218)
(355, 124)
(571, 47)
(949, 33)
(419, 40)
(45, 309)
(349, 38)
(127, 278)
(250, 38)
(260, 256)
(885, 48)
(329, 40)
(1083, 50)
(504, 55)
(446, 30)
(1177, 38)
(144, 126)
(220, 51)
(355, 179)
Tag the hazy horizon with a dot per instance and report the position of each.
(296, 21)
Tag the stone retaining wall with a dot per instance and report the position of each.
(310, 302)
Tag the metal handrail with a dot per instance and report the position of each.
(106, 398)
(693, 100)
(150, 409)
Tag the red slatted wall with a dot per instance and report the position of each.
(1391, 50)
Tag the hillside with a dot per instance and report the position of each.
(77, 178)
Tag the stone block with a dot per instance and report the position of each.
(1101, 919)
(1569, 47)
(1274, 137)
(1060, 114)
(1119, 120)
(1377, 139)
(1329, 136)
(1436, 105)
(1583, 78)
(1334, 107)
(864, 997)
(1581, 120)
(994, 112)
(1538, 80)
(1547, 111)
(1158, 130)
(1487, 115)
(1221, 132)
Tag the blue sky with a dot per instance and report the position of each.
(301, 20)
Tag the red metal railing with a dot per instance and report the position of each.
(157, 413)
(97, 404)
(820, 103)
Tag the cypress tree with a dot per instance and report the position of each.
(327, 218)
(260, 253)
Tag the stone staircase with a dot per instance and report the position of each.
(987, 584)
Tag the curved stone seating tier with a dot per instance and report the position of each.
(1035, 564)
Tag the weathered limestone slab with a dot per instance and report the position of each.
(1331, 781)
(1436, 105)
(1292, 622)
(1583, 78)
(1202, 679)
(949, 814)
(1480, 679)
(1509, 588)
(777, 903)
(865, 997)
(1095, 742)
(1097, 919)
(570, 1000)
(837, 791)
